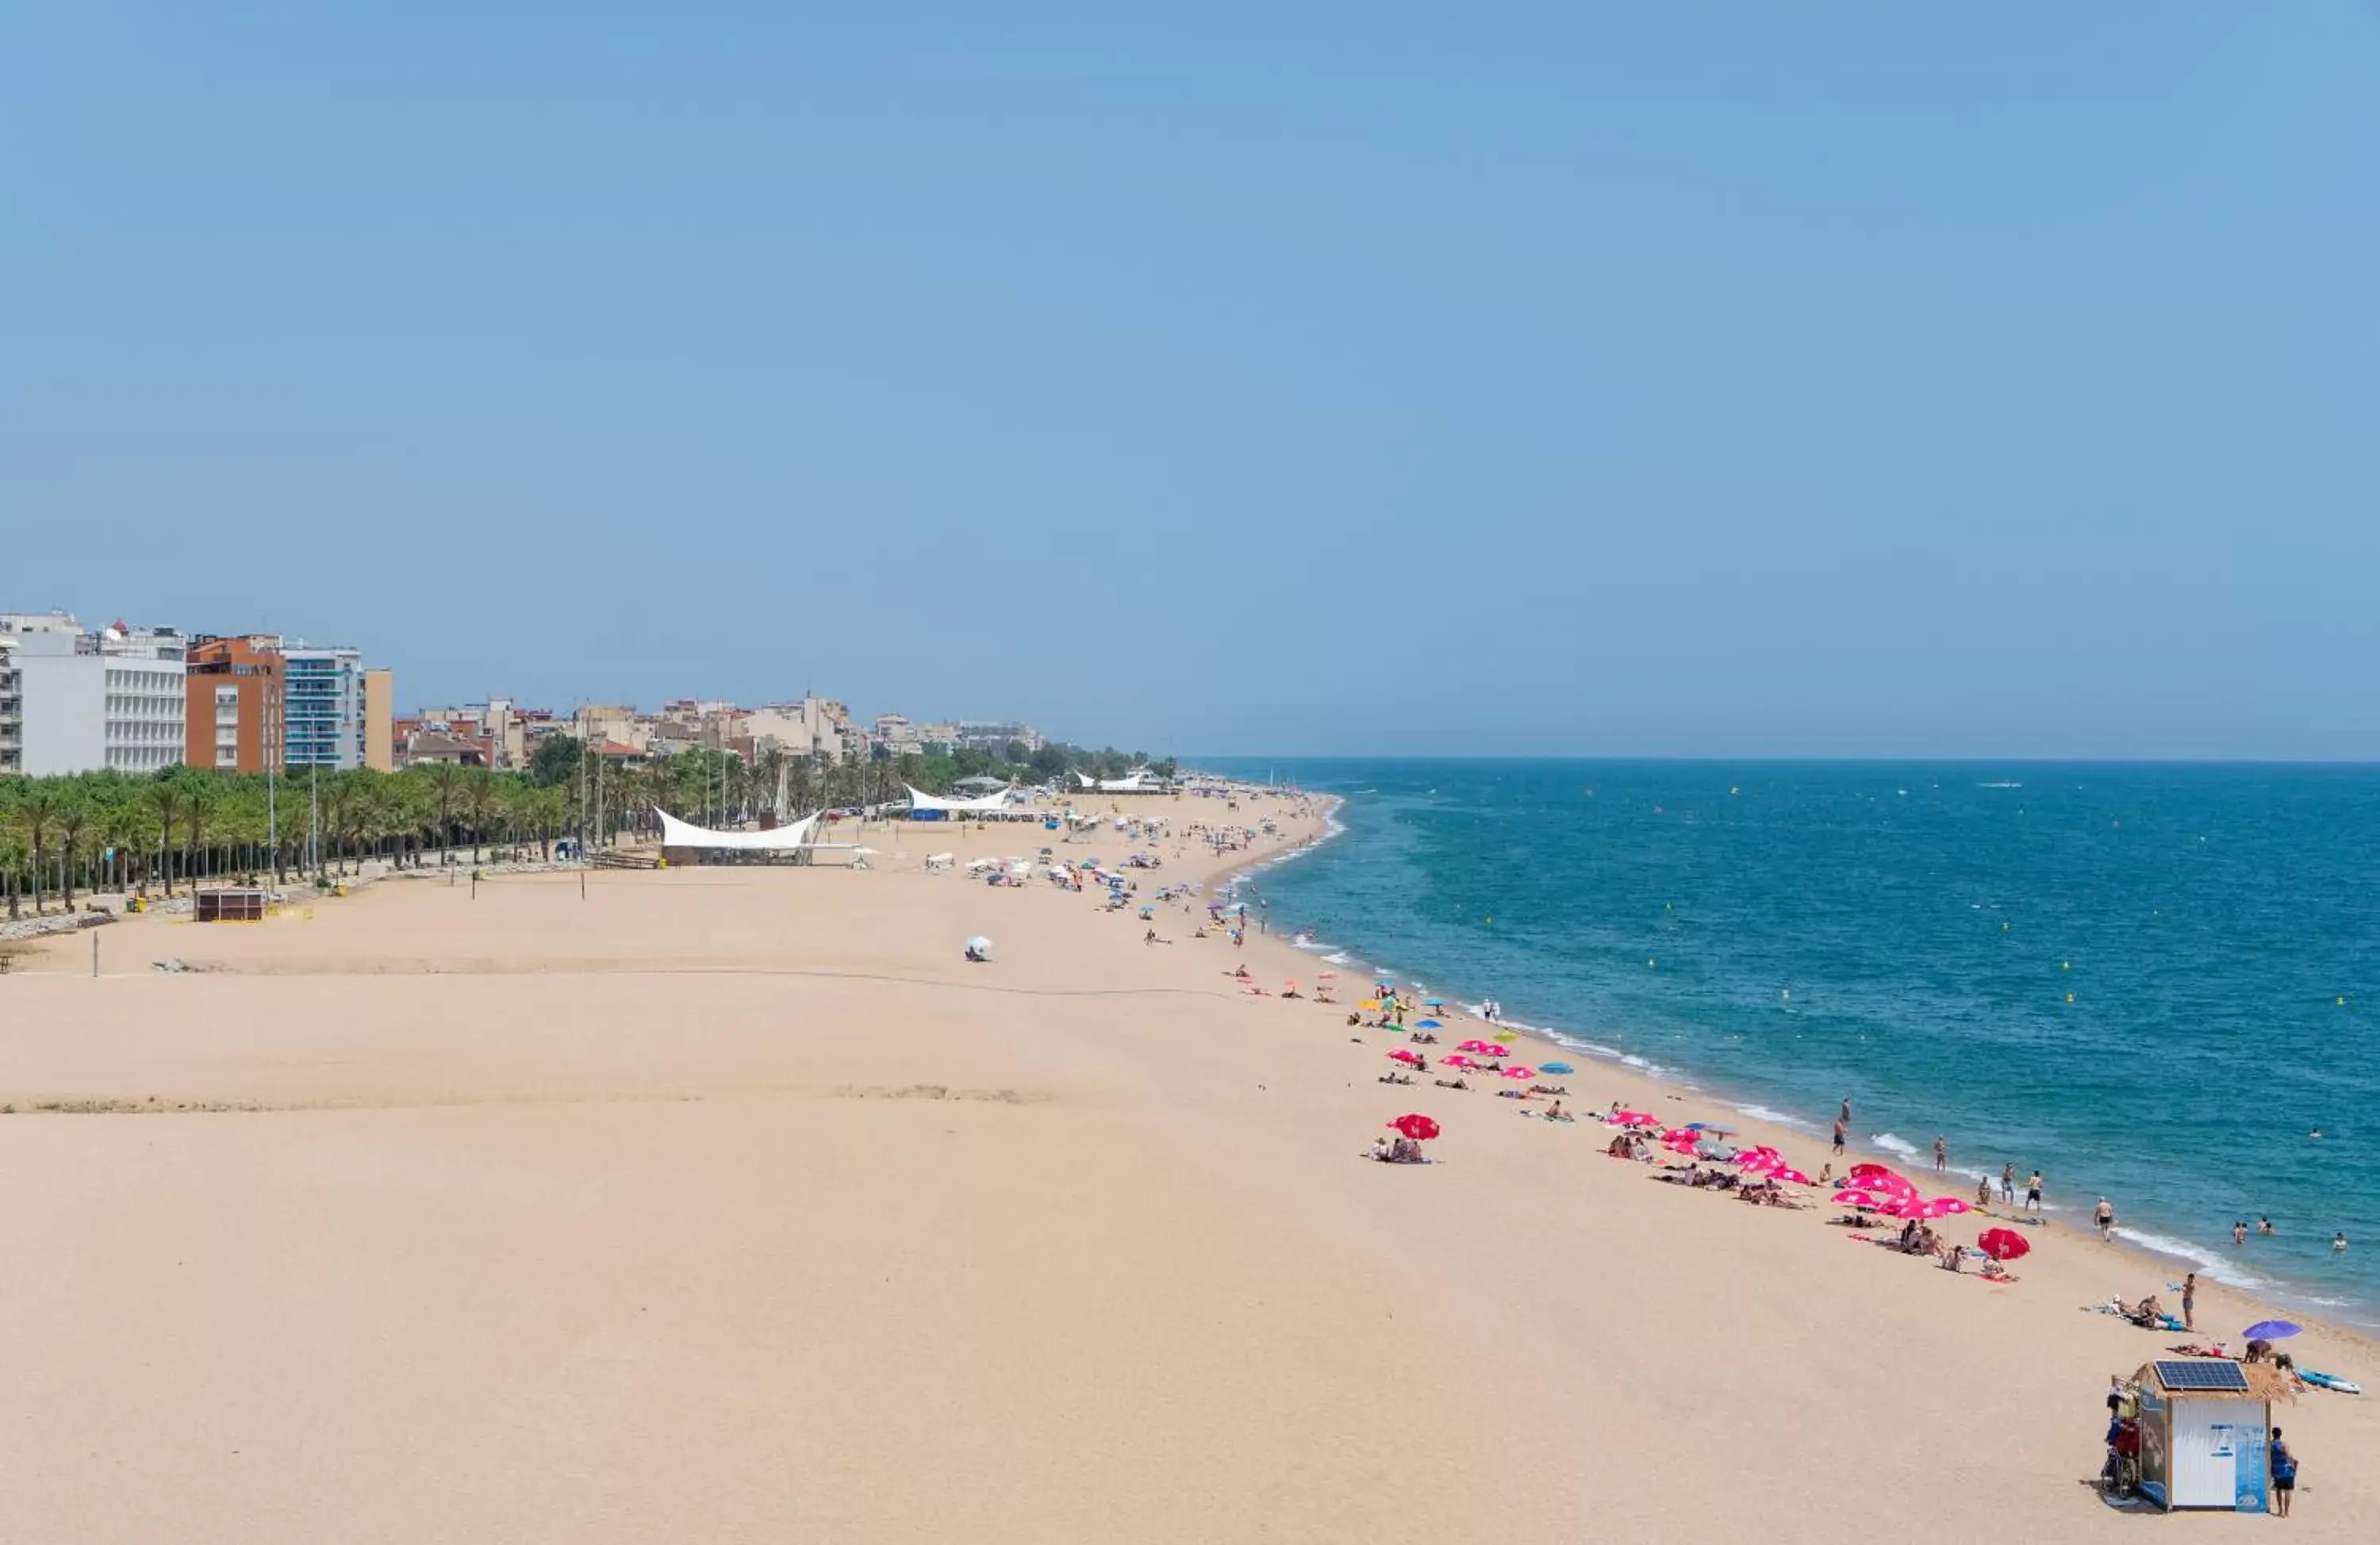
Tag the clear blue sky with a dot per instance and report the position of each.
(1708, 379)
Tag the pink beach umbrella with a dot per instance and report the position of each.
(1856, 1199)
(1517, 1072)
(1411, 1059)
(1498, 1051)
(1457, 1060)
(1791, 1175)
(1941, 1207)
(1480, 1046)
(1637, 1118)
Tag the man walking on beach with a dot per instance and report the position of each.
(1838, 1139)
(2033, 1194)
(2007, 1184)
(2106, 1217)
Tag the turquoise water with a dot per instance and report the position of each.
(1784, 935)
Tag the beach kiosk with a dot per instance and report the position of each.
(2206, 1426)
(231, 904)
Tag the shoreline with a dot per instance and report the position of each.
(2264, 1293)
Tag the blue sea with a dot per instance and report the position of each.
(2150, 982)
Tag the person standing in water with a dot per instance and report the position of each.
(2007, 1184)
(2033, 1194)
(1941, 1156)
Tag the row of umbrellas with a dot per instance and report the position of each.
(1457, 1060)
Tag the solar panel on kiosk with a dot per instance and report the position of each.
(2208, 1375)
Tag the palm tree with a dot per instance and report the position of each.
(72, 814)
(443, 782)
(202, 796)
(483, 801)
(15, 845)
(125, 825)
(168, 798)
(37, 811)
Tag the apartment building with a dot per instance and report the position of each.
(87, 700)
(324, 693)
(12, 711)
(234, 704)
(380, 720)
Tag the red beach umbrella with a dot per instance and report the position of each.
(1867, 1171)
(1940, 1207)
(2002, 1244)
(1421, 1129)
(1411, 1059)
(1791, 1175)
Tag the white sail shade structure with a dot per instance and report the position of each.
(1132, 785)
(989, 804)
(683, 834)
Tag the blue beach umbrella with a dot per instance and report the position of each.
(1427, 1024)
(2268, 1329)
(1555, 1068)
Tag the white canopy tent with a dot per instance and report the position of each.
(682, 834)
(988, 805)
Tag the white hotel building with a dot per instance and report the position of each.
(85, 701)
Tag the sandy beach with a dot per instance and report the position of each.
(732, 1204)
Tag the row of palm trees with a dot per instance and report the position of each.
(104, 831)
(184, 826)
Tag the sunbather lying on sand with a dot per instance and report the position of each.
(1449, 1083)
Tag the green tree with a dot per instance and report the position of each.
(71, 818)
(169, 799)
(555, 761)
